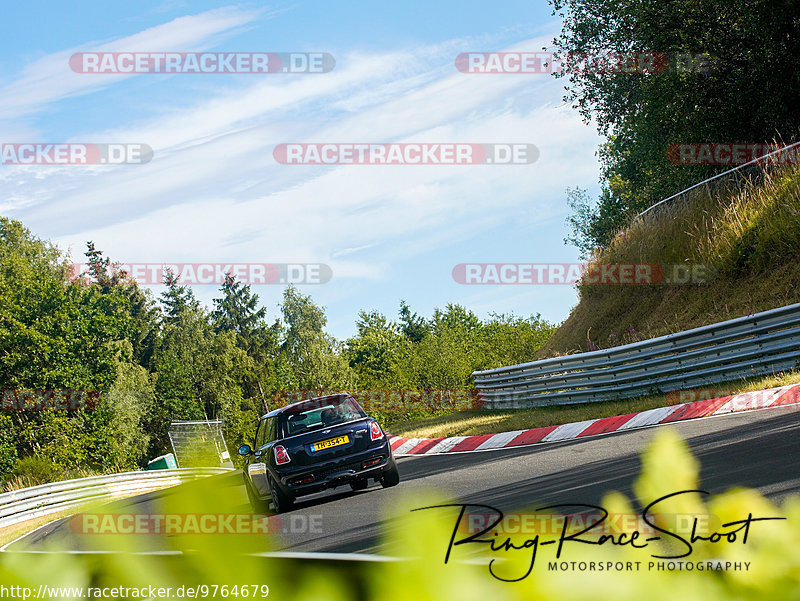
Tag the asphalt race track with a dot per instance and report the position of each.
(758, 449)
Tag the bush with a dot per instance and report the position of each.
(8, 449)
(32, 471)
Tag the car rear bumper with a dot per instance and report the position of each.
(338, 472)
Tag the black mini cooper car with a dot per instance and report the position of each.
(313, 445)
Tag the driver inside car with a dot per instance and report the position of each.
(329, 417)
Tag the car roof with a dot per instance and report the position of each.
(286, 408)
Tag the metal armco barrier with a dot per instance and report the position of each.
(37, 501)
(749, 164)
(746, 346)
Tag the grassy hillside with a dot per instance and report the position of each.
(747, 232)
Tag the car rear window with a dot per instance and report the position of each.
(320, 414)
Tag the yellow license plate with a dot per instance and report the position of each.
(331, 442)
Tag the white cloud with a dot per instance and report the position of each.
(50, 79)
(214, 193)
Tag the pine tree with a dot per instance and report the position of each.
(176, 298)
(101, 270)
(237, 310)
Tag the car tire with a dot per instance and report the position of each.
(390, 477)
(359, 484)
(281, 502)
(258, 505)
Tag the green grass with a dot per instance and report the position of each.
(11, 533)
(748, 234)
(470, 423)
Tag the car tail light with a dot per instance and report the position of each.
(375, 431)
(372, 462)
(281, 455)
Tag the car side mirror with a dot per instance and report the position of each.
(245, 450)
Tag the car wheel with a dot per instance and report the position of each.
(359, 484)
(390, 477)
(281, 502)
(258, 505)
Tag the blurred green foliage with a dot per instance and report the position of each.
(421, 539)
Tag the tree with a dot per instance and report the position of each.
(581, 221)
(132, 396)
(455, 318)
(376, 351)
(107, 278)
(199, 375)
(237, 310)
(82, 334)
(176, 298)
(510, 340)
(749, 93)
(313, 355)
(412, 325)
(63, 335)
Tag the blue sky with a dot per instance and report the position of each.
(213, 192)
